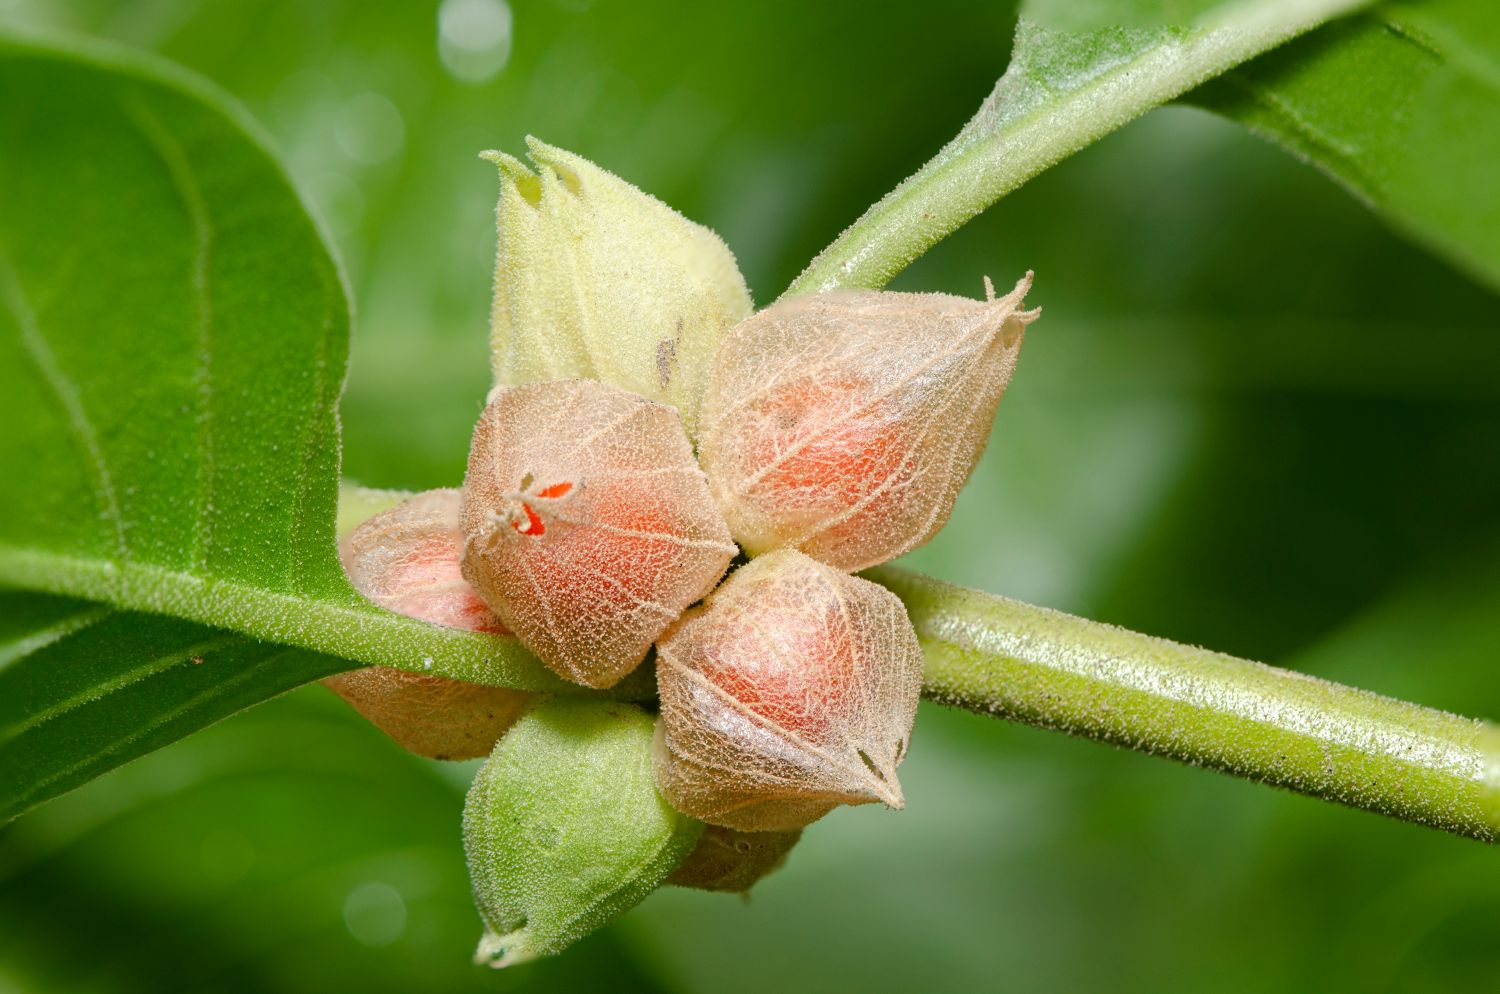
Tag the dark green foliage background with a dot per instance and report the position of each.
(1253, 418)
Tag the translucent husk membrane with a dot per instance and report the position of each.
(406, 559)
(588, 524)
(791, 690)
(844, 424)
(727, 860)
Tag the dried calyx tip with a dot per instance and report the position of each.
(499, 951)
(1015, 321)
(1016, 295)
(888, 792)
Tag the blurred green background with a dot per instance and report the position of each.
(1252, 418)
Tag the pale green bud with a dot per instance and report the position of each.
(564, 828)
(595, 279)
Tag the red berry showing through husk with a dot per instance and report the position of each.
(589, 525)
(791, 690)
(843, 424)
(407, 560)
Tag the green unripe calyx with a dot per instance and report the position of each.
(564, 828)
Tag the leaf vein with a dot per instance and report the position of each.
(68, 396)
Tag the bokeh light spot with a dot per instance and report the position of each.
(369, 129)
(474, 38)
(375, 914)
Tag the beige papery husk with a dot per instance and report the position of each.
(588, 524)
(731, 861)
(845, 423)
(407, 559)
(791, 690)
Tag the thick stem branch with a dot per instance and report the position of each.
(1007, 659)
(1014, 137)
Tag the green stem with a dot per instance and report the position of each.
(1007, 659)
(1029, 125)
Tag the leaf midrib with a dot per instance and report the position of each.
(350, 628)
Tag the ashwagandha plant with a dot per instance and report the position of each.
(172, 344)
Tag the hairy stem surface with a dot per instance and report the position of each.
(1003, 658)
(1036, 117)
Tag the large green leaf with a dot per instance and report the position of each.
(84, 688)
(1401, 107)
(173, 334)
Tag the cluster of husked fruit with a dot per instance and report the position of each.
(821, 436)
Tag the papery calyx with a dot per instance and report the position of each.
(407, 560)
(844, 424)
(588, 525)
(790, 690)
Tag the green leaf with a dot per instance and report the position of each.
(1402, 108)
(1077, 72)
(84, 688)
(173, 337)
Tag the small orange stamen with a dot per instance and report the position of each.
(533, 523)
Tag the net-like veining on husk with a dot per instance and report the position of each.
(791, 690)
(407, 560)
(844, 424)
(589, 526)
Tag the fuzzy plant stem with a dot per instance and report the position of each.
(1000, 657)
(1002, 147)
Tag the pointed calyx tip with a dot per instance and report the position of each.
(567, 166)
(513, 170)
(1016, 295)
(573, 298)
(1016, 320)
(888, 792)
(499, 951)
